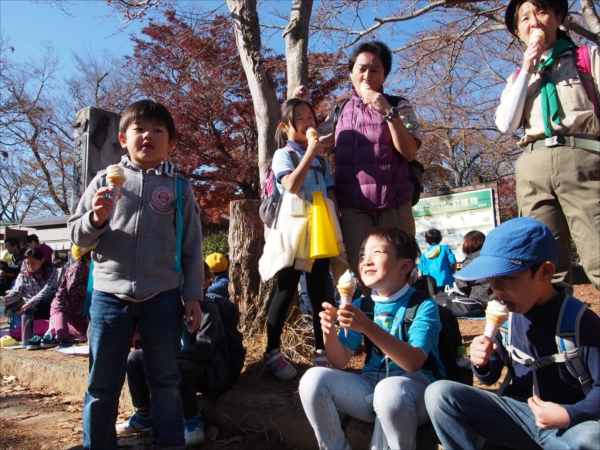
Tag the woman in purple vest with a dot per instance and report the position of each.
(375, 138)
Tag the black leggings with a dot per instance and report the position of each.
(287, 286)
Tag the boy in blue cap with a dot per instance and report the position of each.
(545, 406)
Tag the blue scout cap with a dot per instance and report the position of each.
(511, 248)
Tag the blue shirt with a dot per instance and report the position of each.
(424, 331)
(315, 181)
(438, 266)
(221, 285)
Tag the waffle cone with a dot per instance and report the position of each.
(494, 319)
(346, 292)
(116, 181)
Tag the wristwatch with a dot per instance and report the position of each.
(392, 114)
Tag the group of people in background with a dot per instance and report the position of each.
(146, 259)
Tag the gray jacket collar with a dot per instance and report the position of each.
(165, 168)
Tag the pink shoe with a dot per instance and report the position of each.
(321, 359)
(281, 368)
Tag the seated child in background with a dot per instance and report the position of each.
(218, 270)
(67, 307)
(477, 289)
(204, 366)
(386, 261)
(35, 286)
(439, 261)
(519, 258)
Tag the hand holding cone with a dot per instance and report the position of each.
(346, 287)
(115, 176)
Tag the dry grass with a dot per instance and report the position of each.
(296, 343)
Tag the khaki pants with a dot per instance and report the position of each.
(560, 186)
(355, 223)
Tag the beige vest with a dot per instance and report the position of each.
(576, 111)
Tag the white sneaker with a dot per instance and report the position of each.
(134, 424)
(281, 368)
(194, 430)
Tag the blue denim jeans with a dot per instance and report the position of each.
(397, 401)
(458, 412)
(112, 325)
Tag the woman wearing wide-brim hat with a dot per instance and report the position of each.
(559, 171)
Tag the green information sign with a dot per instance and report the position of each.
(455, 215)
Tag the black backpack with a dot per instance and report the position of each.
(415, 168)
(427, 284)
(449, 340)
(230, 317)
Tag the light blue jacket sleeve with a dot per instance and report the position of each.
(450, 255)
(282, 165)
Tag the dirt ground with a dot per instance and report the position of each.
(44, 419)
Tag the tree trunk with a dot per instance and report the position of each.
(296, 45)
(266, 106)
(246, 243)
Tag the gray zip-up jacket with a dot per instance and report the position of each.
(135, 252)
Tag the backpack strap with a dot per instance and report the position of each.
(178, 220)
(337, 112)
(505, 340)
(367, 306)
(294, 156)
(412, 308)
(581, 56)
(568, 343)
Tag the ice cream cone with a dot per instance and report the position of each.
(537, 35)
(364, 88)
(115, 177)
(346, 287)
(346, 292)
(311, 133)
(116, 181)
(495, 315)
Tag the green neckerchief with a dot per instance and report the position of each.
(549, 95)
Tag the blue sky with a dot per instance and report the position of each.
(88, 25)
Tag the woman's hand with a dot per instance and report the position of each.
(302, 93)
(532, 55)
(377, 101)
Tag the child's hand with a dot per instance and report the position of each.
(193, 314)
(481, 350)
(353, 318)
(548, 415)
(314, 147)
(328, 317)
(101, 207)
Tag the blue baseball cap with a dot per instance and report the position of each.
(511, 248)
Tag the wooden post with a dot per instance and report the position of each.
(246, 243)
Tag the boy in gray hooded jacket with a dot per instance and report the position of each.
(135, 281)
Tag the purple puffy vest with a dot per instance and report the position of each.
(370, 174)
